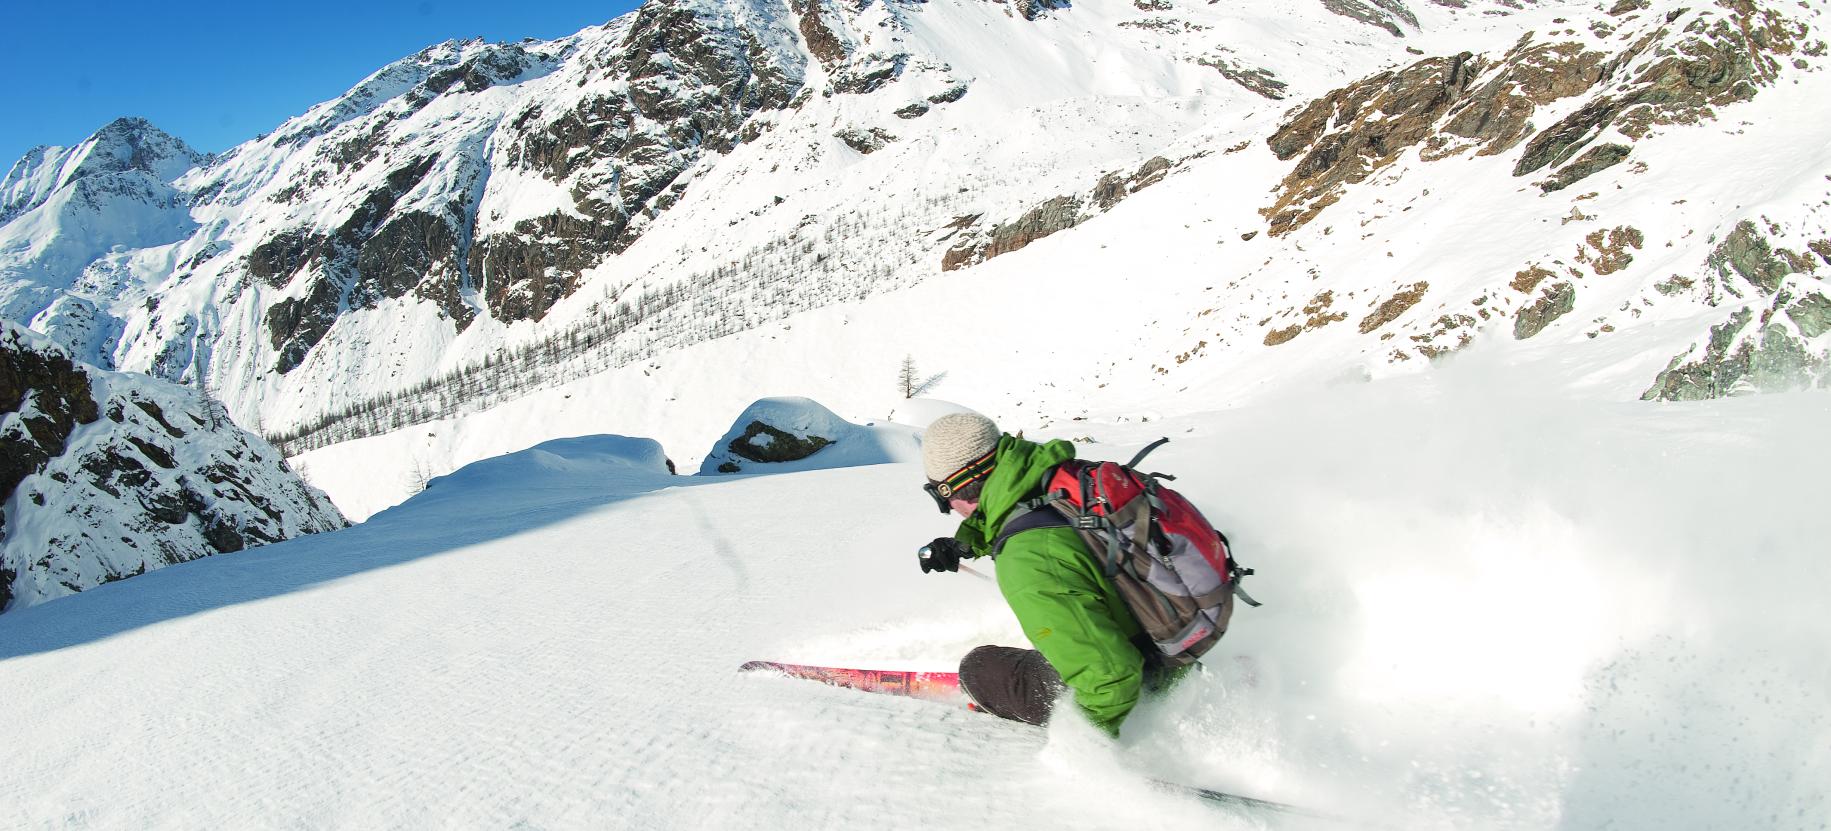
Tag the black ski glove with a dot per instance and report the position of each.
(942, 555)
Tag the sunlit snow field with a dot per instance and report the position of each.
(1484, 609)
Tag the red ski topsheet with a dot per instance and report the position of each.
(930, 686)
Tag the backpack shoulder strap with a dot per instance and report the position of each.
(1030, 518)
(1133, 464)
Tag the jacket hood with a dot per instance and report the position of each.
(1017, 476)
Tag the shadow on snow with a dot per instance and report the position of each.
(489, 500)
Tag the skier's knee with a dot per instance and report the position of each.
(978, 660)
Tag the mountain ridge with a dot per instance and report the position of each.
(863, 164)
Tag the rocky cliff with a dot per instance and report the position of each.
(106, 475)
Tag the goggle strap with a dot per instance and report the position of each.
(974, 471)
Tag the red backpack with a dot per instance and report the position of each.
(1172, 568)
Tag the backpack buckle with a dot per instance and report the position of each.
(1086, 522)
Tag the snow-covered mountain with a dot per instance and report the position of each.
(69, 215)
(478, 220)
(483, 246)
(107, 475)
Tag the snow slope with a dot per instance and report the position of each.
(1486, 608)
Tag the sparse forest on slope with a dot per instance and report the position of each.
(479, 222)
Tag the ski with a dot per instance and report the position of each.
(945, 687)
(928, 686)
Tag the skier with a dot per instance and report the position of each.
(1085, 638)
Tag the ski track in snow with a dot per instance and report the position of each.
(1483, 611)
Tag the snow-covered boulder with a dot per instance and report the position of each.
(106, 475)
(581, 461)
(780, 435)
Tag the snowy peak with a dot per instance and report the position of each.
(135, 144)
(409, 84)
(126, 144)
(108, 475)
(64, 209)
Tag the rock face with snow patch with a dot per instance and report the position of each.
(107, 475)
(1775, 338)
(1669, 69)
(639, 103)
(788, 434)
(976, 244)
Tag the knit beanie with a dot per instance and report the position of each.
(954, 441)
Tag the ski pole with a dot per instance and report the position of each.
(979, 574)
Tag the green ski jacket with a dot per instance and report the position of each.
(1065, 603)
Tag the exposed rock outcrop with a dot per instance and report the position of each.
(764, 443)
(1380, 14)
(1554, 302)
(1746, 253)
(1674, 70)
(822, 42)
(1743, 355)
(1056, 214)
(1721, 56)
(790, 434)
(1257, 80)
(376, 254)
(693, 81)
(107, 475)
(1392, 307)
(865, 141)
(1033, 9)
(1776, 340)
(1348, 135)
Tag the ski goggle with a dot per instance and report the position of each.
(934, 491)
(945, 490)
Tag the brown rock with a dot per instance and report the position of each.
(821, 42)
(1354, 132)
(1722, 57)
(1393, 306)
(1610, 249)
(1058, 214)
(1525, 281)
(1285, 335)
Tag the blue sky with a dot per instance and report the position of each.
(219, 73)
